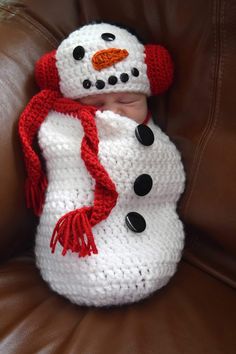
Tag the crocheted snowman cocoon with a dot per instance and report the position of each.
(108, 232)
(129, 265)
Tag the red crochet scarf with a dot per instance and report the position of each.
(74, 229)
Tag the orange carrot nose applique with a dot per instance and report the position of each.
(107, 57)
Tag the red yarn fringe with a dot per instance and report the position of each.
(35, 194)
(74, 233)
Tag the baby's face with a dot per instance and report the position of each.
(131, 105)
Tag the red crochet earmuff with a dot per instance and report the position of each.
(160, 68)
(46, 73)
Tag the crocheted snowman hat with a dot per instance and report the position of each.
(103, 58)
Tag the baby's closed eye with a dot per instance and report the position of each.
(98, 104)
(127, 101)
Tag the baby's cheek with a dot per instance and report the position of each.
(138, 114)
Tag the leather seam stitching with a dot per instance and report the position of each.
(213, 116)
(33, 23)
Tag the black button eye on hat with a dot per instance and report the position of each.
(108, 37)
(135, 72)
(78, 53)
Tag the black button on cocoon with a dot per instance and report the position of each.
(144, 134)
(135, 222)
(143, 184)
(87, 84)
(100, 84)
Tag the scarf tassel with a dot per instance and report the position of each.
(73, 231)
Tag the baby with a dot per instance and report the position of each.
(108, 232)
(129, 104)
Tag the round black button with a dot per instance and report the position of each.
(100, 84)
(87, 84)
(144, 134)
(78, 53)
(143, 185)
(135, 222)
(112, 80)
(109, 37)
(124, 77)
(135, 72)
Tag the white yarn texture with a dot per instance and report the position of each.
(73, 72)
(129, 266)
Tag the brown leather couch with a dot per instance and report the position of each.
(196, 312)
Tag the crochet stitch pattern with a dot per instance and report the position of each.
(85, 248)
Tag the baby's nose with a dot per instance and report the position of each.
(111, 107)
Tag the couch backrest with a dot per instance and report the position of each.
(198, 112)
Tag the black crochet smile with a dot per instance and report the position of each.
(112, 80)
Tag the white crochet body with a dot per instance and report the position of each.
(129, 266)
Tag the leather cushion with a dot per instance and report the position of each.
(193, 314)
